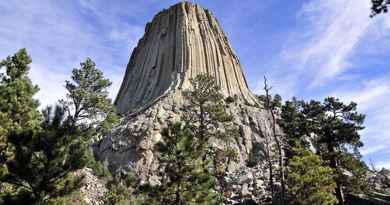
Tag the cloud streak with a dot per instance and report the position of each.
(322, 48)
(339, 25)
(58, 35)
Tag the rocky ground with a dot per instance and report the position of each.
(93, 189)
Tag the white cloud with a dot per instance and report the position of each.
(373, 149)
(322, 48)
(369, 95)
(58, 37)
(51, 84)
(338, 27)
(383, 164)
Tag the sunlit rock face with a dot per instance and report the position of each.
(180, 43)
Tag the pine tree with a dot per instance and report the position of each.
(89, 108)
(339, 131)
(332, 128)
(293, 125)
(379, 6)
(355, 179)
(192, 169)
(43, 162)
(18, 110)
(87, 104)
(42, 154)
(204, 115)
(183, 179)
(310, 181)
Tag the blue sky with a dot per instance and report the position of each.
(309, 48)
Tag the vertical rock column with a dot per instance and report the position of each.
(180, 43)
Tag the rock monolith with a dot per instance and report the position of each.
(181, 42)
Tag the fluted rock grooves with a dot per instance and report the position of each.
(180, 43)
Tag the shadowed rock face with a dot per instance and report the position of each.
(180, 43)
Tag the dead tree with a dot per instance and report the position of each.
(270, 106)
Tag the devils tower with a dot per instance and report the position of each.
(179, 43)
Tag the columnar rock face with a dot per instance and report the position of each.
(180, 43)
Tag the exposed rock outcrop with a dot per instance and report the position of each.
(380, 181)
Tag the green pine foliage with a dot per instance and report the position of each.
(18, 109)
(183, 178)
(354, 180)
(87, 102)
(204, 115)
(332, 129)
(294, 127)
(379, 6)
(337, 134)
(17, 91)
(41, 151)
(121, 189)
(310, 180)
(89, 108)
(43, 163)
(193, 171)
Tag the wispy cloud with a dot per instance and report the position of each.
(338, 26)
(323, 46)
(383, 164)
(373, 149)
(58, 36)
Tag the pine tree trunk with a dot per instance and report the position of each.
(333, 165)
(339, 194)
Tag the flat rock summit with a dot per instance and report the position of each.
(181, 42)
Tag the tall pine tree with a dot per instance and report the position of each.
(332, 129)
(42, 154)
(204, 115)
(193, 168)
(18, 110)
(87, 102)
